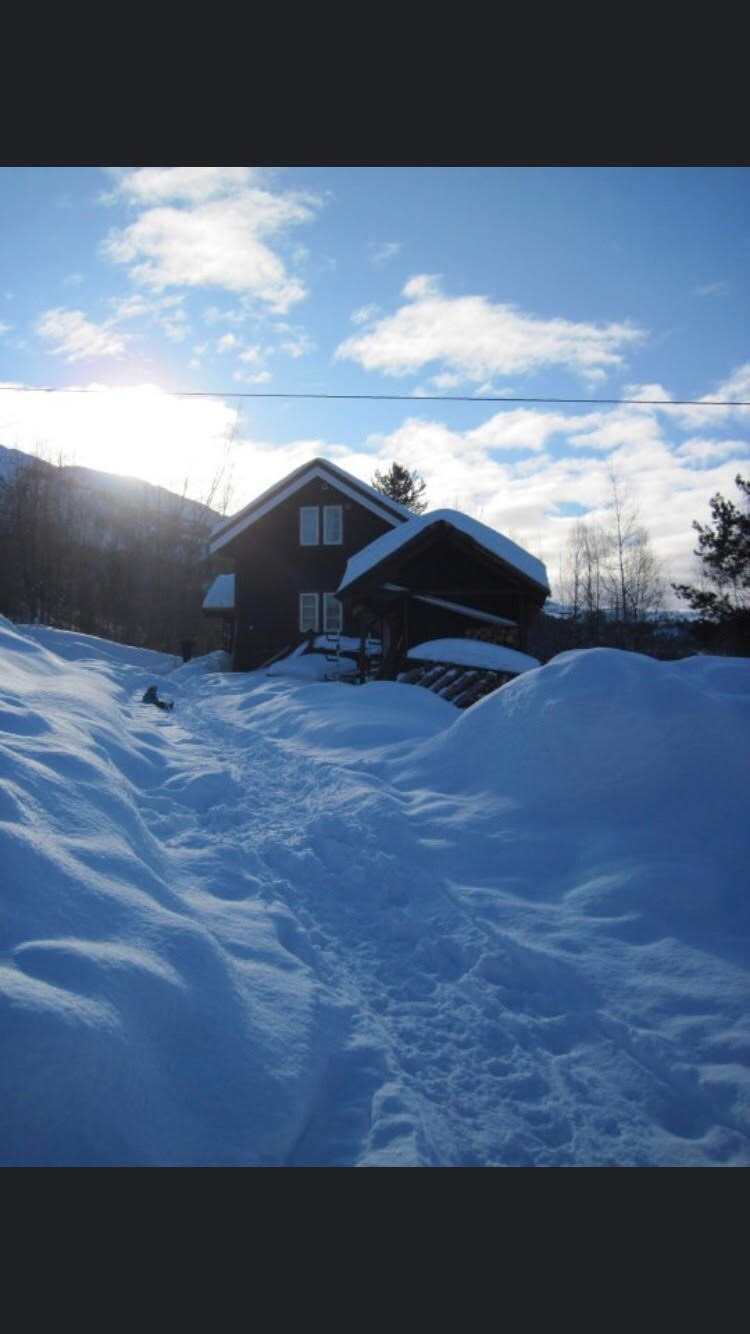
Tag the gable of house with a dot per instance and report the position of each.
(349, 488)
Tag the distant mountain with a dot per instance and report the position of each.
(94, 482)
(107, 555)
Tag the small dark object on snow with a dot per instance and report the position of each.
(151, 697)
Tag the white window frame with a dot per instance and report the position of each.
(332, 510)
(304, 613)
(306, 541)
(332, 604)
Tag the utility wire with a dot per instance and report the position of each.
(391, 398)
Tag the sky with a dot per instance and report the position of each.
(514, 283)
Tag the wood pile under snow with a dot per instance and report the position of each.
(463, 671)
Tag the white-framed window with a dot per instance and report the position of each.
(332, 525)
(333, 617)
(308, 612)
(308, 526)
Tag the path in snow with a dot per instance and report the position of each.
(465, 1043)
(326, 925)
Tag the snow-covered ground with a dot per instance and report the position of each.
(306, 923)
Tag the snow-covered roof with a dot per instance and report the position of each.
(389, 510)
(474, 653)
(220, 596)
(386, 546)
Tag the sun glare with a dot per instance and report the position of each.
(134, 432)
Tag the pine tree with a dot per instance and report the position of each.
(724, 550)
(400, 484)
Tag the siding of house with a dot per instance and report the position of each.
(272, 568)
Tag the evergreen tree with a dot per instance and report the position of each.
(723, 598)
(400, 484)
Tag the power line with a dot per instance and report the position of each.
(391, 398)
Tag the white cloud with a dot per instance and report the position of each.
(447, 380)
(259, 377)
(209, 227)
(364, 315)
(301, 346)
(650, 392)
(521, 429)
(72, 336)
(227, 342)
(214, 315)
(706, 451)
(381, 251)
(166, 312)
(736, 388)
(194, 185)
(131, 307)
(5, 328)
(175, 326)
(252, 355)
(614, 428)
(476, 339)
(73, 280)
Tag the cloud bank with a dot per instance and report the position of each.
(472, 339)
(209, 227)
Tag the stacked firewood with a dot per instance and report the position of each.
(458, 685)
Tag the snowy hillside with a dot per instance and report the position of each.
(306, 923)
(102, 492)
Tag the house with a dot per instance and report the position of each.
(289, 548)
(321, 553)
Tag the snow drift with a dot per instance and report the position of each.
(294, 923)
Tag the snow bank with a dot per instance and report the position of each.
(352, 723)
(601, 725)
(91, 649)
(141, 1016)
(294, 923)
(217, 661)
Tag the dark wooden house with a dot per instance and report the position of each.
(289, 548)
(321, 553)
(443, 575)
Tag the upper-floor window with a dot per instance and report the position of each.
(309, 525)
(332, 525)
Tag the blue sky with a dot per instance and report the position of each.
(570, 282)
